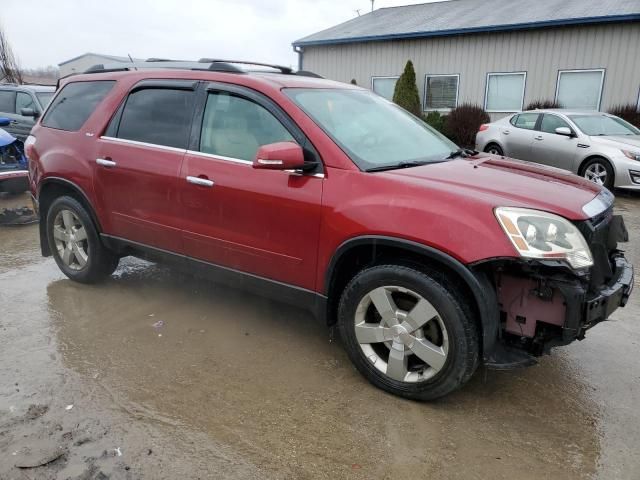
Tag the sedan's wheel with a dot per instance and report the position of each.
(408, 333)
(75, 243)
(494, 149)
(599, 172)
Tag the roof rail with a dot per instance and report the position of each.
(214, 65)
(282, 68)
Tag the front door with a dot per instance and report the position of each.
(138, 161)
(262, 222)
(520, 136)
(552, 149)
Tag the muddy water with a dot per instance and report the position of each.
(187, 379)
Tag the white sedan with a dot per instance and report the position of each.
(600, 147)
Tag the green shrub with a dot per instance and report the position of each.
(539, 104)
(436, 120)
(627, 112)
(353, 81)
(406, 91)
(463, 122)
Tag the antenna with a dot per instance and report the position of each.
(357, 11)
(372, 2)
(130, 58)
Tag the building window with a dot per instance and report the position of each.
(581, 89)
(505, 92)
(384, 86)
(441, 92)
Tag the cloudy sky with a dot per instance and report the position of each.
(47, 32)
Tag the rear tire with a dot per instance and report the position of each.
(75, 243)
(382, 342)
(494, 149)
(599, 171)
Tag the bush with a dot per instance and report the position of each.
(353, 81)
(406, 91)
(627, 112)
(436, 120)
(537, 104)
(463, 122)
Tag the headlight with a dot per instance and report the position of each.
(631, 155)
(537, 234)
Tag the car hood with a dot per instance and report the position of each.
(6, 138)
(502, 182)
(620, 141)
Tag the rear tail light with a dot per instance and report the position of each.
(483, 127)
(29, 147)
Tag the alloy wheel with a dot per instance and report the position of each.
(401, 334)
(70, 237)
(494, 151)
(596, 173)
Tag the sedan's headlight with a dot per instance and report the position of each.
(631, 155)
(543, 235)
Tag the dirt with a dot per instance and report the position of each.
(158, 375)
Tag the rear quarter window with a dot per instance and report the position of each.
(75, 102)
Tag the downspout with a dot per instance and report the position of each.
(300, 52)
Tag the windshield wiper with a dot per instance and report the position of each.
(398, 165)
(462, 152)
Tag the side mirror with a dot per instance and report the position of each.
(566, 131)
(280, 156)
(28, 112)
(4, 121)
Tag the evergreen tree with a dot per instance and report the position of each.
(406, 91)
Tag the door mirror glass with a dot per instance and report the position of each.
(28, 112)
(4, 121)
(566, 131)
(279, 156)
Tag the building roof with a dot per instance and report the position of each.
(112, 58)
(455, 17)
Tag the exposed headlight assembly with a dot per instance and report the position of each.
(543, 235)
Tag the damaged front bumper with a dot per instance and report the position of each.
(542, 305)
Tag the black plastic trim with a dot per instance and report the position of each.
(273, 289)
(483, 293)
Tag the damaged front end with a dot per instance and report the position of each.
(544, 303)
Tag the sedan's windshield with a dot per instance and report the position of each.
(603, 125)
(374, 132)
(44, 98)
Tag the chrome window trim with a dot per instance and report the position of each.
(13, 172)
(144, 144)
(599, 204)
(220, 157)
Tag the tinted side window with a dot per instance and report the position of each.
(551, 122)
(527, 120)
(24, 100)
(236, 127)
(73, 105)
(7, 101)
(160, 116)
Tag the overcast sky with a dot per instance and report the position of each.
(47, 32)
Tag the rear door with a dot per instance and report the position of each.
(263, 222)
(24, 124)
(519, 135)
(138, 161)
(8, 110)
(550, 148)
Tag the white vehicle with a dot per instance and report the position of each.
(602, 148)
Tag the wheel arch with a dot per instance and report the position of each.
(361, 252)
(493, 142)
(50, 189)
(593, 156)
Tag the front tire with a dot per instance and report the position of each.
(75, 243)
(409, 332)
(494, 149)
(600, 172)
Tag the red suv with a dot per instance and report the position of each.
(431, 260)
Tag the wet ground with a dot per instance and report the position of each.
(157, 375)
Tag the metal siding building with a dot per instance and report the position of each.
(540, 49)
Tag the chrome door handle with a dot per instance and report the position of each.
(203, 182)
(106, 163)
(539, 137)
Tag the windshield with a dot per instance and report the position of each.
(371, 130)
(603, 125)
(44, 98)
